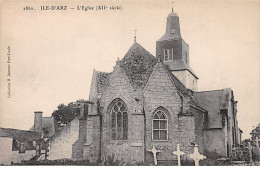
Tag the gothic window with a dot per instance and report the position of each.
(160, 126)
(166, 54)
(119, 121)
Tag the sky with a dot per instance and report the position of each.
(53, 53)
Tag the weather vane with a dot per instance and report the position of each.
(172, 6)
(135, 34)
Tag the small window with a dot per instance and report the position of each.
(160, 126)
(186, 57)
(166, 54)
(171, 55)
(85, 114)
(173, 31)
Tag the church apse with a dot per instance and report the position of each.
(149, 103)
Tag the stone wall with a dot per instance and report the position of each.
(187, 79)
(160, 92)
(128, 150)
(181, 75)
(6, 146)
(60, 144)
(199, 126)
(91, 149)
(191, 82)
(77, 147)
(215, 143)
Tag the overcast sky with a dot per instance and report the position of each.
(53, 53)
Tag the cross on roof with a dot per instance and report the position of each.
(135, 34)
(196, 156)
(178, 153)
(154, 151)
(172, 6)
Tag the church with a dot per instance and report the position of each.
(150, 101)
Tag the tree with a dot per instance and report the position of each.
(66, 113)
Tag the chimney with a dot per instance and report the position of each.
(38, 121)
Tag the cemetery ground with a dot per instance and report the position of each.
(111, 162)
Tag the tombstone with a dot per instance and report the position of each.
(249, 147)
(154, 151)
(234, 151)
(196, 156)
(257, 150)
(178, 153)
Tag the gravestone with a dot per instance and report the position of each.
(249, 147)
(154, 151)
(234, 151)
(178, 153)
(196, 156)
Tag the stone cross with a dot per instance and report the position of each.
(249, 147)
(178, 153)
(257, 149)
(196, 156)
(256, 140)
(154, 151)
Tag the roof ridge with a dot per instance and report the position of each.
(210, 90)
(16, 129)
(102, 72)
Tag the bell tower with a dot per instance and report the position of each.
(174, 52)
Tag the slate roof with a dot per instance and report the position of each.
(179, 64)
(213, 101)
(102, 79)
(138, 65)
(22, 135)
(49, 126)
(168, 35)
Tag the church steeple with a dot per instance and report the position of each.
(174, 52)
(172, 27)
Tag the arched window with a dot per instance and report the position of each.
(119, 120)
(160, 126)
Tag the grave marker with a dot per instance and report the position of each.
(196, 156)
(178, 153)
(154, 151)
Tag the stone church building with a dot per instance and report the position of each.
(148, 101)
